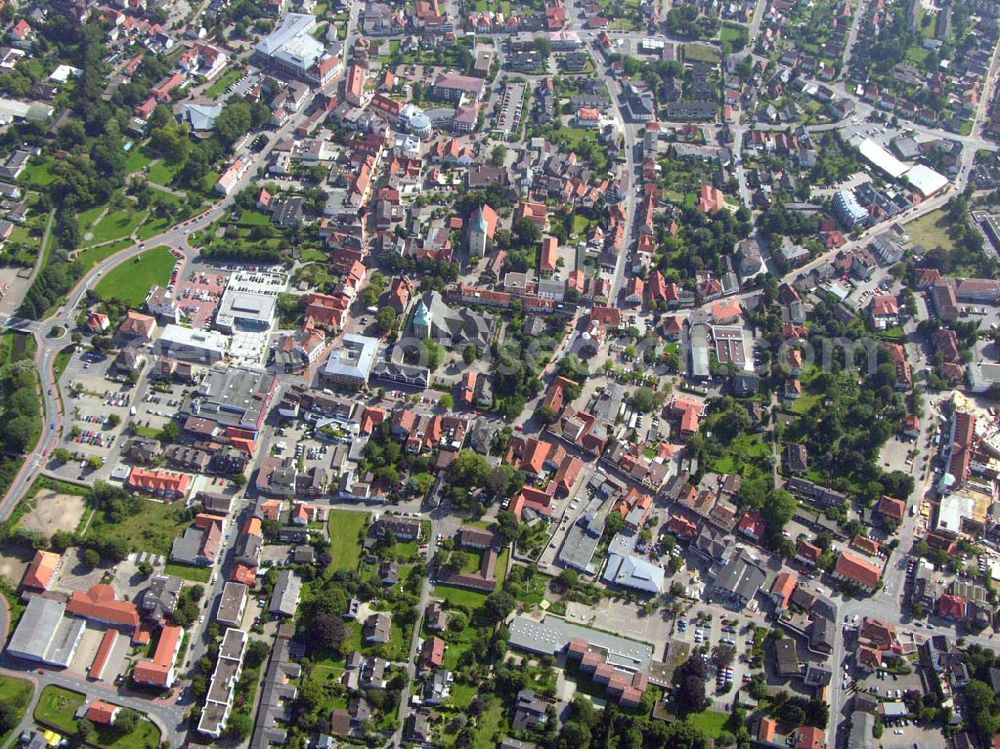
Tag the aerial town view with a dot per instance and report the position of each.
(500, 374)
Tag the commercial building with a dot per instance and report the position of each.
(219, 700)
(620, 665)
(232, 398)
(293, 50)
(738, 578)
(249, 301)
(191, 345)
(41, 572)
(45, 634)
(351, 364)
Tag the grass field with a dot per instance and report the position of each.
(93, 255)
(116, 225)
(708, 721)
(223, 82)
(345, 527)
(137, 159)
(163, 173)
(57, 708)
(189, 573)
(152, 527)
(471, 599)
(39, 174)
(16, 693)
(930, 231)
(701, 53)
(747, 447)
(132, 280)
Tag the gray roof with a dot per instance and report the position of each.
(552, 634)
(353, 359)
(201, 116)
(862, 728)
(46, 634)
(230, 602)
(577, 551)
(740, 577)
(285, 599)
(634, 572)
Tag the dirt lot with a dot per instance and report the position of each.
(54, 512)
(14, 560)
(75, 575)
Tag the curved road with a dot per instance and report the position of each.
(48, 347)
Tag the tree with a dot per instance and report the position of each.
(61, 455)
(385, 320)
(86, 730)
(257, 652)
(127, 720)
(498, 155)
(169, 433)
(544, 46)
(9, 717)
(546, 415)
(329, 630)
(239, 726)
(91, 557)
(498, 606)
(233, 122)
(568, 579)
(17, 433)
(470, 353)
(446, 400)
(643, 399)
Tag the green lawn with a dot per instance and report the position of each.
(116, 225)
(931, 230)
(471, 599)
(151, 527)
(711, 723)
(93, 255)
(489, 725)
(747, 447)
(163, 173)
(137, 159)
(132, 280)
(701, 53)
(223, 82)
(345, 530)
(57, 708)
(254, 218)
(187, 572)
(39, 174)
(62, 361)
(16, 693)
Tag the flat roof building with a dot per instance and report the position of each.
(249, 301)
(45, 634)
(292, 49)
(191, 345)
(232, 397)
(351, 364)
(219, 700)
(285, 598)
(231, 604)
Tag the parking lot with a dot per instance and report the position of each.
(97, 408)
(705, 629)
(198, 296)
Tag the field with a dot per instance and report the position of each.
(345, 527)
(152, 527)
(57, 708)
(930, 231)
(223, 82)
(39, 174)
(747, 447)
(187, 572)
(53, 511)
(91, 256)
(701, 53)
(710, 722)
(131, 281)
(115, 225)
(17, 693)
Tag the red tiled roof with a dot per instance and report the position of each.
(101, 604)
(158, 670)
(858, 570)
(40, 572)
